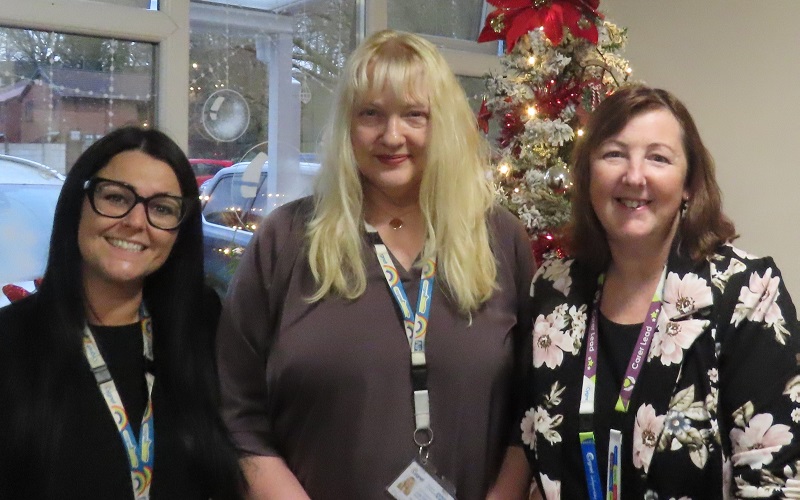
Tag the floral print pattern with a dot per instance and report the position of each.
(758, 441)
(557, 271)
(685, 295)
(645, 436)
(758, 303)
(696, 427)
(558, 332)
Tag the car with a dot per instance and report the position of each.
(28, 195)
(234, 202)
(233, 206)
(204, 168)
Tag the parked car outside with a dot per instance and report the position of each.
(229, 219)
(204, 168)
(234, 202)
(28, 195)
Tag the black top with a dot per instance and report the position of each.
(616, 343)
(121, 347)
(88, 458)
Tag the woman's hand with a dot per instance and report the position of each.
(269, 478)
(514, 478)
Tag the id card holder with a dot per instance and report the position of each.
(421, 482)
(614, 482)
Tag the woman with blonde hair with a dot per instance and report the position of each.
(374, 331)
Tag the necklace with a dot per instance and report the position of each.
(396, 223)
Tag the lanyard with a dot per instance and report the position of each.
(416, 328)
(635, 364)
(140, 455)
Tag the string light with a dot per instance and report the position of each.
(504, 169)
(531, 111)
(532, 60)
(580, 132)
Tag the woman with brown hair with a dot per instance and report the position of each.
(664, 358)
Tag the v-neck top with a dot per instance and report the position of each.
(330, 390)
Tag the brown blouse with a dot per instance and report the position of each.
(328, 387)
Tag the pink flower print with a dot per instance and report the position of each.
(759, 297)
(755, 444)
(684, 296)
(646, 430)
(549, 341)
(552, 489)
(673, 337)
(528, 429)
(758, 302)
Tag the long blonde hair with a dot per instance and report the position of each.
(455, 192)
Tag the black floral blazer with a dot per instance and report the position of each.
(716, 410)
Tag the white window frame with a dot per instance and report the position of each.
(167, 27)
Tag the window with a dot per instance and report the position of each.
(254, 77)
(226, 202)
(458, 19)
(261, 79)
(61, 87)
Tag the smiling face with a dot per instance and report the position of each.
(124, 251)
(390, 134)
(638, 179)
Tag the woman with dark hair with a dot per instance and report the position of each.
(107, 375)
(665, 360)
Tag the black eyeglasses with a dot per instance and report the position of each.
(116, 200)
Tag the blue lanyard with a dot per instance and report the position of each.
(140, 455)
(416, 328)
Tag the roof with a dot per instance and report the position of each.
(67, 82)
(13, 91)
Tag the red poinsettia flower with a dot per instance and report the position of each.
(514, 18)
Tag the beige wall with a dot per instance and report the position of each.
(736, 66)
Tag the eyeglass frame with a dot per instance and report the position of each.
(90, 186)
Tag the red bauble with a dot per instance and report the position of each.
(544, 245)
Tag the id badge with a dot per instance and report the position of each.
(614, 481)
(421, 482)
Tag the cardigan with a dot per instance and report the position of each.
(715, 411)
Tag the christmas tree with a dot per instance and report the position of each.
(561, 59)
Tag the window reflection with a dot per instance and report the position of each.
(459, 19)
(60, 92)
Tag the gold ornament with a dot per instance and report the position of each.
(498, 23)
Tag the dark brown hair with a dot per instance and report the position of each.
(703, 228)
